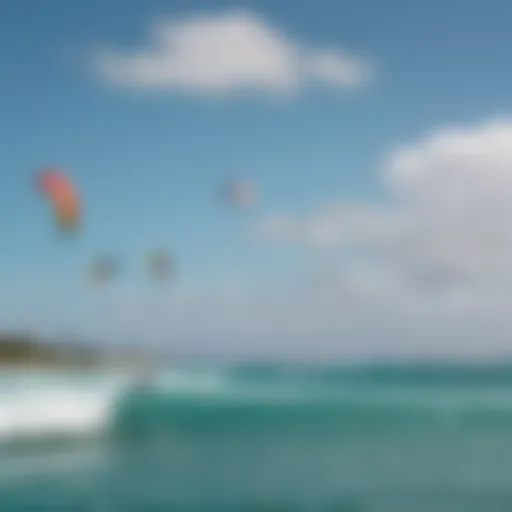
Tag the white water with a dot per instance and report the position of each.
(46, 405)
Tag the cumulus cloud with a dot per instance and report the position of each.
(446, 227)
(228, 52)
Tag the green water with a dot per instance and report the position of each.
(269, 440)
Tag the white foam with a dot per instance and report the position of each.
(35, 410)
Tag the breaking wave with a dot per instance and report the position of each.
(41, 406)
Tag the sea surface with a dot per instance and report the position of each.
(260, 437)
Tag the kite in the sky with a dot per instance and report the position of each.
(58, 189)
(241, 193)
(103, 269)
(159, 264)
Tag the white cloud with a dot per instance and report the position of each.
(223, 53)
(447, 228)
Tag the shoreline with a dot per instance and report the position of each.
(23, 352)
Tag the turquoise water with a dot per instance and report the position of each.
(260, 438)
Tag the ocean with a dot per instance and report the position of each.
(260, 437)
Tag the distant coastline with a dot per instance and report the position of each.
(20, 351)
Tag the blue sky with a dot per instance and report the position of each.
(149, 160)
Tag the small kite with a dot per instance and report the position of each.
(103, 269)
(159, 264)
(241, 193)
(58, 189)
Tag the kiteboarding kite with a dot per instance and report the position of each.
(241, 193)
(159, 264)
(103, 270)
(60, 192)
